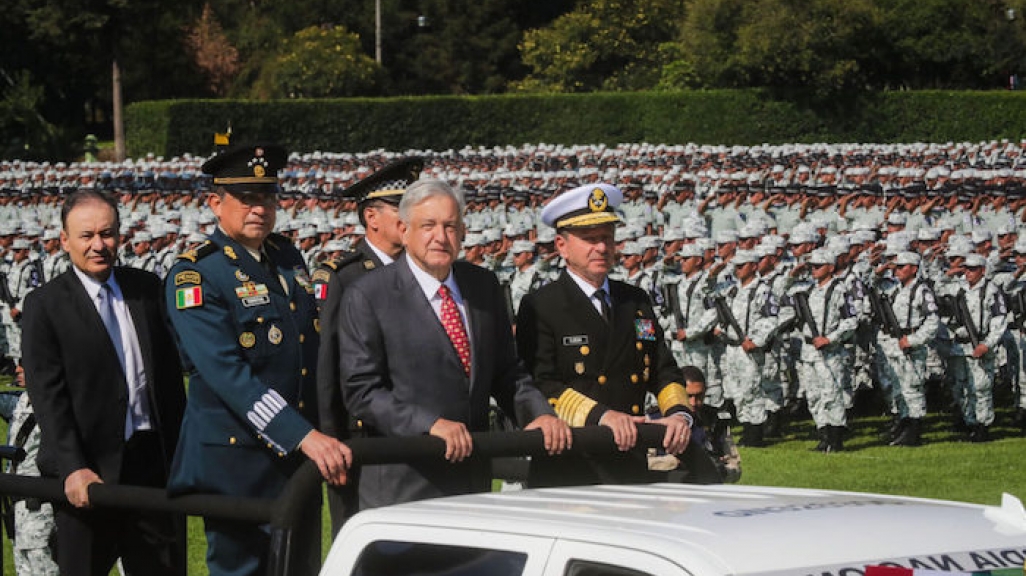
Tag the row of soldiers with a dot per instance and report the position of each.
(817, 316)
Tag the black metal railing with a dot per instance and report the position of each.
(286, 512)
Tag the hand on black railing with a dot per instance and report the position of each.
(331, 456)
(76, 486)
(555, 432)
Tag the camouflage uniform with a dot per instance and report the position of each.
(34, 526)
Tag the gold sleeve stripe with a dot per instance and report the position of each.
(574, 407)
(673, 394)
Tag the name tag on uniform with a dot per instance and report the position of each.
(575, 340)
(644, 329)
(252, 301)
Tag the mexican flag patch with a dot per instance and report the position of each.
(188, 297)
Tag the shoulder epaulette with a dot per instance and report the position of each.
(205, 249)
(333, 264)
(349, 258)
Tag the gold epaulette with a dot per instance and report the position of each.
(205, 249)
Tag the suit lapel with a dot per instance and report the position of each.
(423, 314)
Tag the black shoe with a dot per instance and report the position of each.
(835, 438)
(895, 429)
(910, 434)
(958, 424)
(979, 433)
(824, 443)
(752, 436)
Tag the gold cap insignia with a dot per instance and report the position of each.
(597, 201)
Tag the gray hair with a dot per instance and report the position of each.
(421, 190)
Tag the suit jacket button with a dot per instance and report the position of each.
(301, 404)
(602, 379)
(302, 372)
(232, 440)
(292, 306)
(636, 409)
(639, 345)
(302, 338)
(634, 378)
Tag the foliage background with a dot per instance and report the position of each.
(58, 55)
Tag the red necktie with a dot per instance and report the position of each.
(453, 324)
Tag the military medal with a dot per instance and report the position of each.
(579, 368)
(247, 339)
(274, 335)
(241, 276)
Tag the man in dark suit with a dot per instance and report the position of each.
(424, 343)
(105, 381)
(377, 198)
(243, 311)
(595, 348)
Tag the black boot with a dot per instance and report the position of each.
(895, 428)
(824, 442)
(979, 433)
(835, 438)
(773, 425)
(752, 436)
(910, 434)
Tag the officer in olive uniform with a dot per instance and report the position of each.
(595, 349)
(378, 198)
(243, 309)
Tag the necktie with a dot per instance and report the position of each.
(600, 294)
(453, 324)
(110, 321)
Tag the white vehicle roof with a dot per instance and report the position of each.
(740, 529)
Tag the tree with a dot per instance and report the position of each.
(321, 62)
(601, 45)
(212, 51)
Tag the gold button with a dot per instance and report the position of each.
(232, 440)
(634, 378)
(602, 379)
(281, 454)
(269, 445)
(359, 423)
(635, 409)
(260, 319)
(301, 404)
(585, 350)
(639, 345)
(648, 361)
(302, 338)
(292, 306)
(302, 372)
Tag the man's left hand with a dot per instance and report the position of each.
(678, 433)
(556, 433)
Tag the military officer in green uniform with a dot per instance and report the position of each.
(243, 310)
(378, 197)
(595, 349)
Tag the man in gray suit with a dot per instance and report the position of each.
(423, 345)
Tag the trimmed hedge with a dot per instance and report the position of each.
(730, 117)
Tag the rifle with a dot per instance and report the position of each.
(805, 313)
(726, 318)
(965, 318)
(5, 291)
(884, 313)
(670, 297)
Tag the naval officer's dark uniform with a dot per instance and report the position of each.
(248, 336)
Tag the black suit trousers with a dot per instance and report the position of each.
(89, 541)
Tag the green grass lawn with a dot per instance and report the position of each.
(943, 468)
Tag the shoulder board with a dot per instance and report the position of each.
(333, 264)
(277, 240)
(349, 258)
(206, 249)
